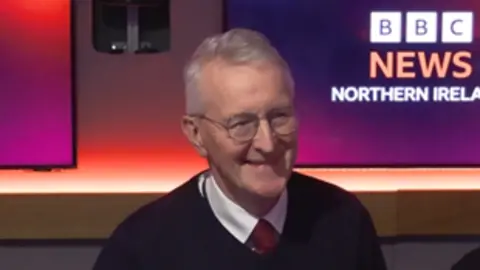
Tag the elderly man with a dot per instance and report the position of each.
(248, 210)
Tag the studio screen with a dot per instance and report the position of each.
(389, 83)
(36, 84)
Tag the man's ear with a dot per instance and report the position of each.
(191, 130)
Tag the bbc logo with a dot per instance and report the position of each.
(421, 27)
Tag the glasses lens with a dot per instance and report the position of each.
(284, 125)
(247, 130)
(244, 131)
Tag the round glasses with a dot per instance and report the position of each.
(244, 128)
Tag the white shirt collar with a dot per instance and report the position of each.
(234, 218)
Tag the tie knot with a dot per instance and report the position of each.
(264, 236)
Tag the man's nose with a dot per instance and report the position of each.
(264, 140)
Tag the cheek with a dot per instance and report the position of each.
(289, 145)
(290, 154)
(293, 147)
(221, 149)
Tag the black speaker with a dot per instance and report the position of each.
(134, 26)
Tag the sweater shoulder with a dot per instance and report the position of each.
(317, 192)
(160, 216)
(471, 260)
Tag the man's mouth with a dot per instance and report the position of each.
(258, 163)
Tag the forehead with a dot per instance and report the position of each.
(234, 89)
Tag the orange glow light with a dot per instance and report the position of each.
(147, 179)
(154, 171)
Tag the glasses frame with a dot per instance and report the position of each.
(257, 125)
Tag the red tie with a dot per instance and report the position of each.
(264, 237)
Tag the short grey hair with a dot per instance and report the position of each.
(237, 47)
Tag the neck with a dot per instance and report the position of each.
(255, 205)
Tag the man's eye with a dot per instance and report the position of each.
(240, 124)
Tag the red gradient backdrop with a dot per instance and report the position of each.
(129, 110)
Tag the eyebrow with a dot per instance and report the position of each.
(240, 116)
(281, 109)
(244, 115)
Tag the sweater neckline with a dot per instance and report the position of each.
(211, 228)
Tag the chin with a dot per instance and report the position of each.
(269, 192)
(267, 186)
(264, 180)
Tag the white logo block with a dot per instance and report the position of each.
(385, 27)
(457, 27)
(421, 27)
